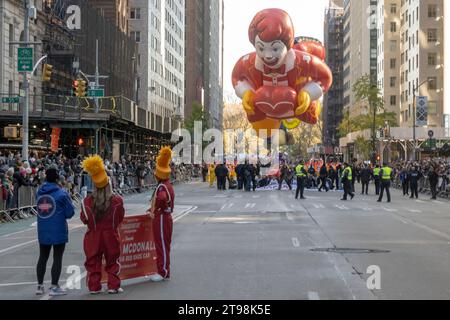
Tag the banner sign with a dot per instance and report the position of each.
(422, 111)
(137, 248)
(55, 139)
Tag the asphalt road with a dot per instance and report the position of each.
(267, 245)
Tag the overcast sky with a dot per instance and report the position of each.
(307, 17)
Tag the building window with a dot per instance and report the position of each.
(393, 45)
(393, 27)
(135, 13)
(432, 35)
(11, 39)
(136, 35)
(393, 63)
(432, 11)
(393, 82)
(432, 107)
(393, 100)
(432, 59)
(393, 8)
(432, 83)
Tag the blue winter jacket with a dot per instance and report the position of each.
(54, 207)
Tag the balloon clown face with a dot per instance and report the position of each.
(280, 83)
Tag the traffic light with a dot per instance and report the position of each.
(47, 72)
(81, 90)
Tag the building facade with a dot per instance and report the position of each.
(422, 59)
(204, 58)
(158, 26)
(115, 11)
(388, 48)
(333, 99)
(360, 49)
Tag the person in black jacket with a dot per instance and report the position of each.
(285, 175)
(240, 175)
(323, 174)
(433, 176)
(413, 177)
(332, 175)
(365, 174)
(221, 172)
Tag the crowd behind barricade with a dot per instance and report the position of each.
(19, 180)
(432, 175)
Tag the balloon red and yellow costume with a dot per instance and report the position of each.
(280, 87)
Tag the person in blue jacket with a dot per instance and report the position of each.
(54, 207)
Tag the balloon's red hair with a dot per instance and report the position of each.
(271, 25)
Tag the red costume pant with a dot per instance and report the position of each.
(162, 231)
(99, 244)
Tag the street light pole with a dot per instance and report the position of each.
(26, 86)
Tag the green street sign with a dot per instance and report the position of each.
(96, 93)
(25, 63)
(10, 100)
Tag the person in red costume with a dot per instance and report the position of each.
(162, 205)
(279, 81)
(102, 212)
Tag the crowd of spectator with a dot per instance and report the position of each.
(125, 174)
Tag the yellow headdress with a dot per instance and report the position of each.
(96, 169)
(163, 163)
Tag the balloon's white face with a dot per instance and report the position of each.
(273, 54)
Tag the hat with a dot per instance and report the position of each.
(163, 164)
(96, 169)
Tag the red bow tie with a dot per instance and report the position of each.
(280, 70)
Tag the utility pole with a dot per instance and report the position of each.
(26, 86)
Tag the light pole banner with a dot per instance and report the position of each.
(421, 111)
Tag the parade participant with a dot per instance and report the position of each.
(376, 177)
(212, 174)
(285, 175)
(221, 173)
(433, 177)
(323, 175)
(102, 212)
(404, 178)
(386, 175)
(54, 208)
(301, 174)
(240, 175)
(347, 178)
(162, 205)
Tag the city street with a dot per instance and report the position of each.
(267, 245)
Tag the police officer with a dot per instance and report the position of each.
(413, 177)
(386, 174)
(347, 178)
(301, 174)
(376, 178)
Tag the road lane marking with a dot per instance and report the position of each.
(18, 232)
(312, 295)
(366, 209)
(250, 205)
(295, 242)
(389, 209)
(231, 205)
(223, 207)
(420, 201)
(318, 206)
(414, 211)
(182, 215)
(341, 207)
(256, 197)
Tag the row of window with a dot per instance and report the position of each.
(173, 61)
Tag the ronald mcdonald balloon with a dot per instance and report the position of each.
(282, 82)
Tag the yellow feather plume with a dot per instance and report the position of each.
(93, 165)
(164, 158)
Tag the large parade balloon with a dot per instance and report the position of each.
(282, 82)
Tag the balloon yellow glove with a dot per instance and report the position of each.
(248, 102)
(304, 101)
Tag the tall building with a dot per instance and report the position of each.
(334, 44)
(204, 58)
(422, 59)
(115, 11)
(158, 26)
(360, 49)
(388, 64)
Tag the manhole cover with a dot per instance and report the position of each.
(349, 250)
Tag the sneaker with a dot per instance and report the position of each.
(57, 291)
(156, 278)
(40, 290)
(115, 291)
(96, 292)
